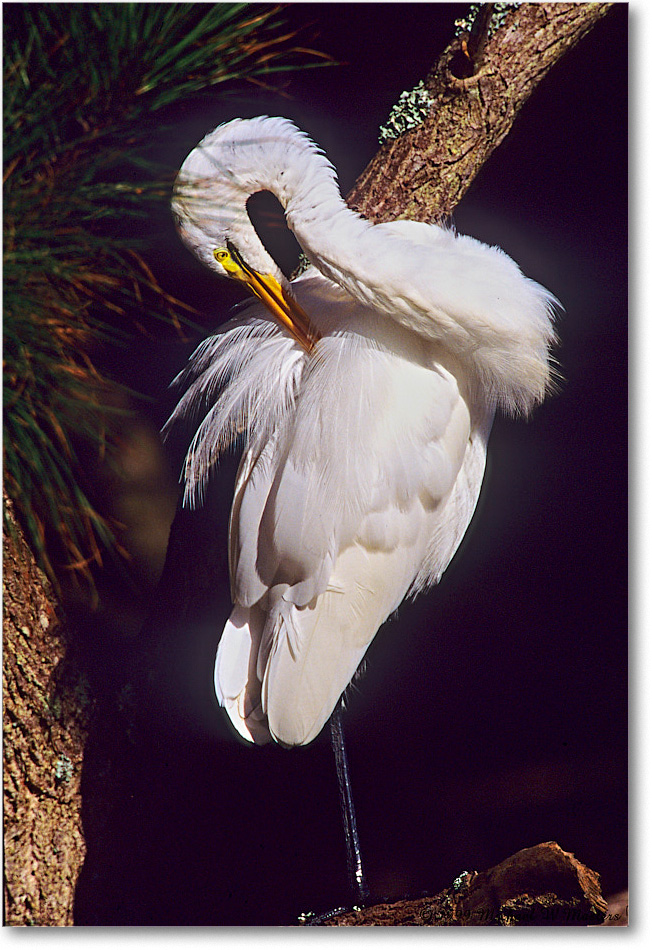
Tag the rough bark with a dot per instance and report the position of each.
(423, 174)
(44, 727)
(539, 886)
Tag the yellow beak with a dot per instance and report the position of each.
(283, 307)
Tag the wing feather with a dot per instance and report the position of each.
(330, 540)
(361, 468)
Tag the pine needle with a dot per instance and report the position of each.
(80, 83)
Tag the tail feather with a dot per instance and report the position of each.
(317, 649)
(237, 686)
(280, 672)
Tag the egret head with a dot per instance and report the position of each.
(210, 211)
(209, 204)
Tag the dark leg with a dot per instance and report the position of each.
(357, 880)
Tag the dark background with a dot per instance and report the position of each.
(493, 712)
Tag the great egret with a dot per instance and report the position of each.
(364, 391)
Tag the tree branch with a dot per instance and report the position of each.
(539, 886)
(423, 174)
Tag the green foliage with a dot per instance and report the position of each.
(81, 83)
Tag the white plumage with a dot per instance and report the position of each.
(364, 441)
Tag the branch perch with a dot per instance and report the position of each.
(539, 886)
(423, 174)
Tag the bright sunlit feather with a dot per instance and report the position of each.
(363, 457)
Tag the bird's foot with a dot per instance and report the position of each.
(310, 919)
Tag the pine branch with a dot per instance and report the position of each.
(81, 83)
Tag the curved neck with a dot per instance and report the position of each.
(273, 155)
(466, 297)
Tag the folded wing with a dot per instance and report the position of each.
(335, 518)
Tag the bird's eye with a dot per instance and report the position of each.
(221, 254)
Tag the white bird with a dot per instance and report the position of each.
(364, 392)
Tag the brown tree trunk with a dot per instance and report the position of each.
(44, 726)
